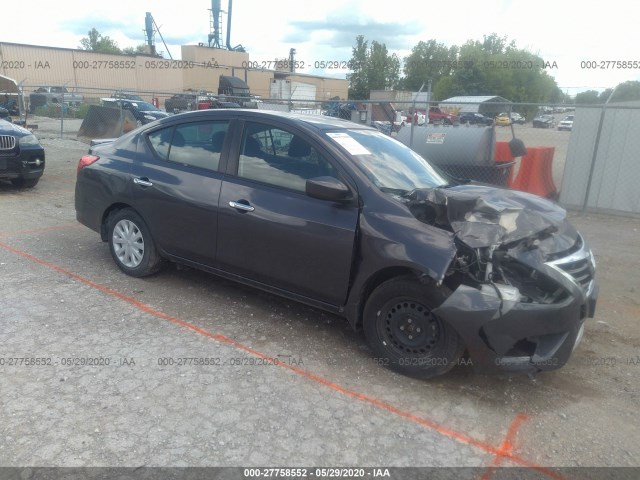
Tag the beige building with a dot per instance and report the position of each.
(96, 75)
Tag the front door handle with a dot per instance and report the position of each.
(142, 181)
(241, 206)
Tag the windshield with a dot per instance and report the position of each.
(390, 165)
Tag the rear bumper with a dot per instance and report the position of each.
(525, 337)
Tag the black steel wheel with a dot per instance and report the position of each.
(400, 326)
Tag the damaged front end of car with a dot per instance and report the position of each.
(523, 279)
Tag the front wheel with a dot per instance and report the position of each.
(131, 245)
(400, 327)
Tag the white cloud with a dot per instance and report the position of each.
(564, 32)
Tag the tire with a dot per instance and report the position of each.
(131, 244)
(25, 182)
(400, 328)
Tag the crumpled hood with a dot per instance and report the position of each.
(482, 216)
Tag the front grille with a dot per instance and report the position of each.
(7, 142)
(578, 264)
(580, 270)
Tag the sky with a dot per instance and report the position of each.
(567, 33)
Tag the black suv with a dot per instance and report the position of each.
(21, 155)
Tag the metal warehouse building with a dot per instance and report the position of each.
(199, 69)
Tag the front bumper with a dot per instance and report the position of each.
(23, 162)
(525, 337)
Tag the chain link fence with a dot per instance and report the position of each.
(585, 158)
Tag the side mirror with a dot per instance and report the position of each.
(327, 188)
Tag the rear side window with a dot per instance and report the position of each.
(193, 144)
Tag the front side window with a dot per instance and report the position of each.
(194, 144)
(280, 158)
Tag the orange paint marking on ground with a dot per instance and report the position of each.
(504, 452)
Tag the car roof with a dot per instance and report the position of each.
(319, 122)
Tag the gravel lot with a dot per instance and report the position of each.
(326, 403)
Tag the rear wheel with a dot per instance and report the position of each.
(131, 245)
(400, 327)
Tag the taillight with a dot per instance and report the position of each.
(86, 160)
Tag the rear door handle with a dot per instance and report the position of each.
(142, 181)
(241, 206)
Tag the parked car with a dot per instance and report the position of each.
(339, 216)
(438, 116)
(181, 102)
(382, 126)
(143, 112)
(127, 96)
(223, 104)
(544, 121)
(21, 155)
(503, 119)
(474, 119)
(517, 118)
(52, 94)
(566, 123)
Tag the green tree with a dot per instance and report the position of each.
(96, 42)
(358, 81)
(625, 92)
(372, 68)
(428, 60)
(383, 69)
(587, 97)
(495, 66)
(133, 50)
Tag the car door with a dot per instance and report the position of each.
(270, 231)
(177, 186)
